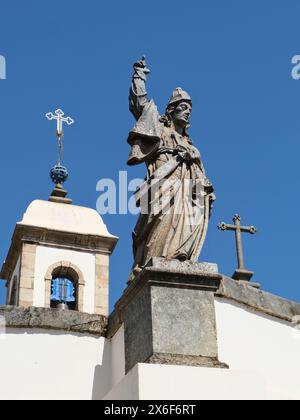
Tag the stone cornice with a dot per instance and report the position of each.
(156, 274)
(54, 319)
(201, 276)
(258, 300)
(46, 237)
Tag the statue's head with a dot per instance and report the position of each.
(179, 109)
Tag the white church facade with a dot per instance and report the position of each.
(180, 331)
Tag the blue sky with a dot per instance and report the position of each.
(232, 56)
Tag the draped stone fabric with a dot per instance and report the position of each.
(145, 136)
(175, 198)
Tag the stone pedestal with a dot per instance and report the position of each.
(169, 315)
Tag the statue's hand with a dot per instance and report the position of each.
(141, 66)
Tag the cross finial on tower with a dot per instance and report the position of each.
(60, 119)
(241, 273)
(59, 173)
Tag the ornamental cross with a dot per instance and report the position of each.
(60, 119)
(241, 273)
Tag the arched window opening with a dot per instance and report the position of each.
(64, 288)
(63, 293)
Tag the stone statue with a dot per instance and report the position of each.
(176, 196)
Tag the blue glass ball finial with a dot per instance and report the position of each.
(59, 174)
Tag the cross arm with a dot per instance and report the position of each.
(248, 229)
(68, 120)
(50, 116)
(225, 226)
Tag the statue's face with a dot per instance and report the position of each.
(182, 114)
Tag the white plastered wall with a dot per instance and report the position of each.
(262, 353)
(170, 382)
(118, 356)
(86, 262)
(250, 341)
(41, 364)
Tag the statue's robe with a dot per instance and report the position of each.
(174, 199)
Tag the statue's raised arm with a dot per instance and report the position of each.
(138, 93)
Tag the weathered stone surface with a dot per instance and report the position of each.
(138, 332)
(258, 299)
(176, 359)
(114, 323)
(296, 320)
(67, 240)
(54, 319)
(176, 187)
(186, 267)
(183, 322)
(102, 285)
(169, 309)
(173, 273)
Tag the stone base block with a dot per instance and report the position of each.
(183, 360)
(242, 275)
(169, 315)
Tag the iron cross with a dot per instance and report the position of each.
(241, 273)
(60, 119)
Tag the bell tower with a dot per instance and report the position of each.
(59, 255)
